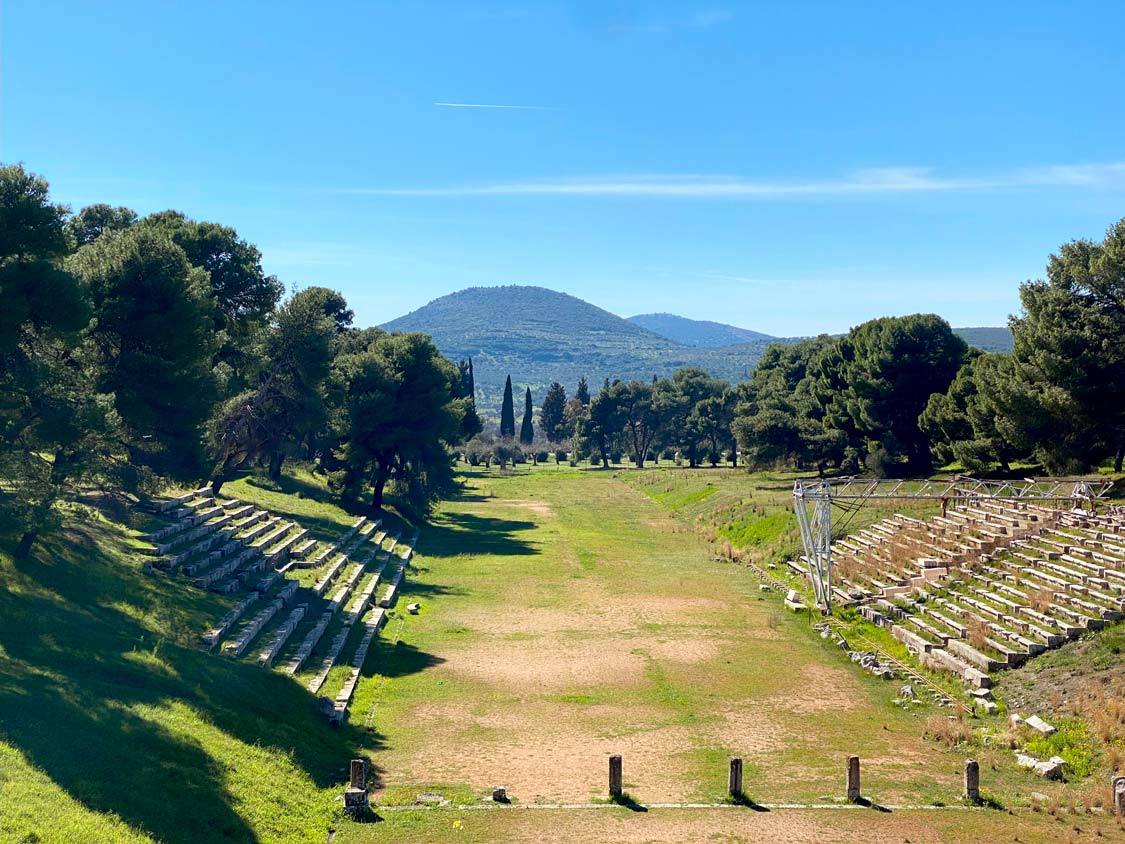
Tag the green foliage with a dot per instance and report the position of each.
(876, 380)
(552, 414)
(1065, 399)
(95, 220)
(508, 411)
(1072, 742)
(394, 417)
(777, 418)
(150, 344)
(527, 425)
(962, 422)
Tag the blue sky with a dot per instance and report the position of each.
(791, 168)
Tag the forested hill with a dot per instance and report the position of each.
(538, 336)
(987, 339)
(697, 332)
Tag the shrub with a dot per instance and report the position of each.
(560, 456)
(948, 731)
(542, 456)
(1070, 741)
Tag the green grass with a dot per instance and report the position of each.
(114, 726)
(1072, 742)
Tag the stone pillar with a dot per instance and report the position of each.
(853, 778)
(615, 780)
(355, 796)
(972, 780)
(734, 780)
(1119, 796)
(358, 774)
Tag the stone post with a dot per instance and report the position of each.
(734, 781)
(853, 778)
(615, 779)
(972, 780)
(355, 796)
(1119, 796)
(358, 774)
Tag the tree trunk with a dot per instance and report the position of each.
(380, 485)
(1120, 458)
(216, 485)
(23, 549)
(276, 459)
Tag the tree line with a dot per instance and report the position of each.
(894, 396)
(138, 351)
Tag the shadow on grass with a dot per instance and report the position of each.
(103, 689)
(869, 804)
(743, 799)
(397, 659)
(466, 533)
(627, 801)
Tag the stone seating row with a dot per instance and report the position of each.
(344, 697)
(281, 635)
(1017, 604)
(237, 645)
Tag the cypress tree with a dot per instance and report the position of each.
(472, 382)
(508, 412)
(583, 392)
(527, 428)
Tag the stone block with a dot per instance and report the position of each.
(852, 785)
(616, 788)
(972, 780)
(734, 777)
(1039, 725)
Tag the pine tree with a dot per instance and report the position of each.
(552, 413)
(583, 392)
(527, 428)
(508, 412)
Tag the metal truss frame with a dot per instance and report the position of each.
(813, 500)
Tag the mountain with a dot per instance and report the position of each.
(539, 336)
(696, 332)
(987, 339)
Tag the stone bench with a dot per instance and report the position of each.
(212, 636)
(281, 636)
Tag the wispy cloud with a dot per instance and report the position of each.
(878, 181)
(498, 105)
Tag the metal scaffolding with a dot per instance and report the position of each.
(813, 500)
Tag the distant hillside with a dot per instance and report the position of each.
(696, 332)
(539, 336)
(987, 339)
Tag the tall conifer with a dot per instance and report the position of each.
(508, 412)
(527, 427)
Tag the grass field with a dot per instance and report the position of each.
(564, 616)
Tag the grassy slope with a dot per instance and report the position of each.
(115, 727)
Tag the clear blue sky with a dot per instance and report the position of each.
(788, 167)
